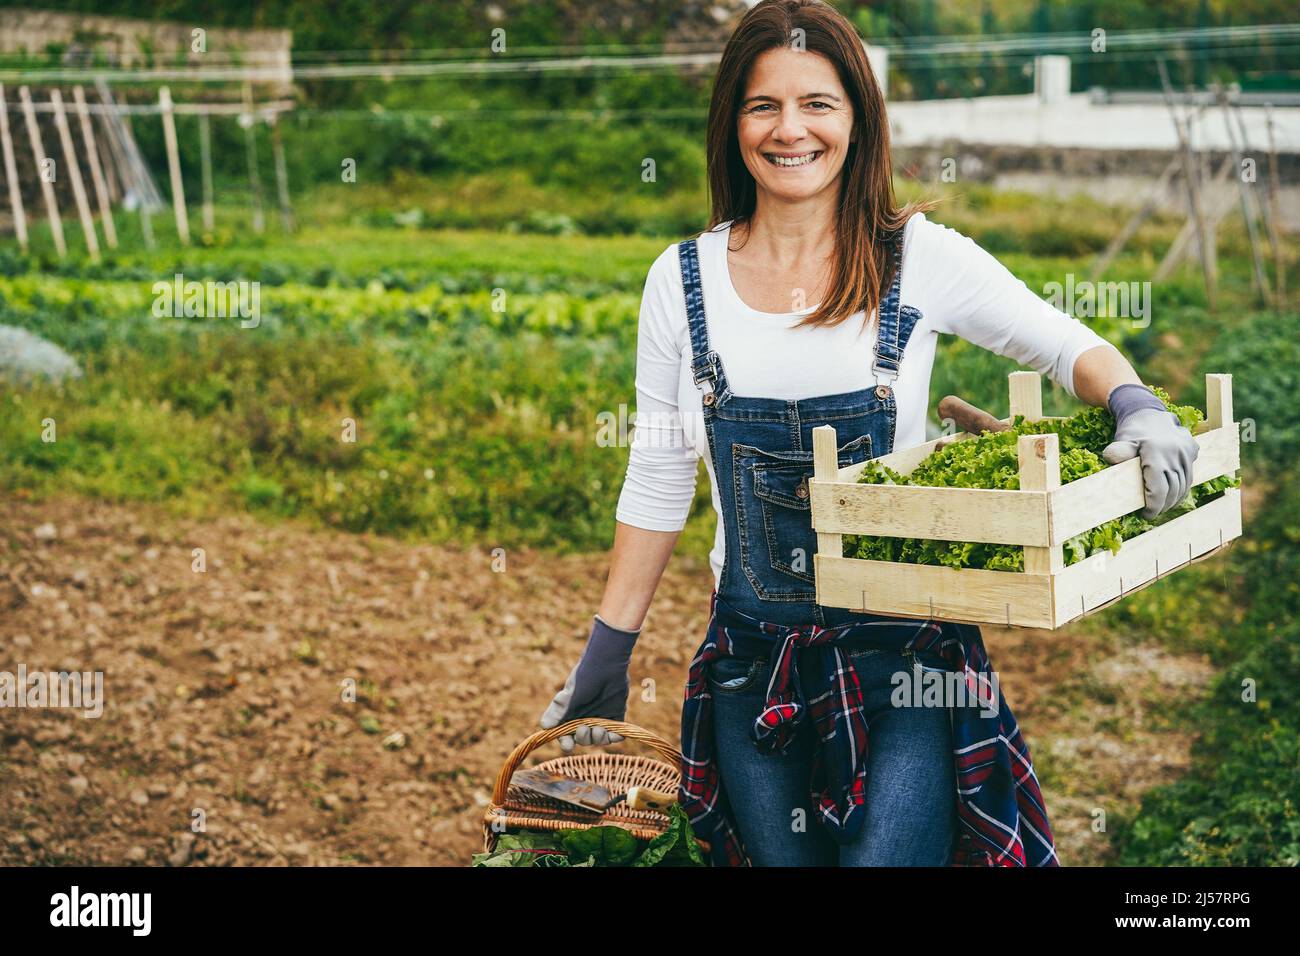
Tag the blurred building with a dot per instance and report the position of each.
(124, 42)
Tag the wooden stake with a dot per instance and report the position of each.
(113, 174)
(1136, 220)
(281, 176)
(1191, 179)
(205, 159)
(11, 174)
(96, 173)
(174, 164)
(1247, 213)
(1219, 207)
(250, 140)
(108, 158)
(47, 188)
(1144, 213)
(1279, 267)
(118, 130)
(1262, 211)
(74, 173)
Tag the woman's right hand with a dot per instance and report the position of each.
(597, 686)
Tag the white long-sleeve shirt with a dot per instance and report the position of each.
(958, 287)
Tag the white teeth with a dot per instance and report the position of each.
(803, 160)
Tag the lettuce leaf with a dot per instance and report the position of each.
(676, 846)
(991, 460)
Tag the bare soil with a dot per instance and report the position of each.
(225, 690)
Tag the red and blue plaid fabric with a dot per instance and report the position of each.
(1002, 819)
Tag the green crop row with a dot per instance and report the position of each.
(79, 313)
(360, 257)
(1239, 802)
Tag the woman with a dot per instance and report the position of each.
(796, 751)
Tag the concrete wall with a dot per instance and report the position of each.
(1075, 122)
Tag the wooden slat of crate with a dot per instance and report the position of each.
(1103, 578)
(925, 591)
(1012, 598)
(1085, 503)
(920, 511)
(1032, 598)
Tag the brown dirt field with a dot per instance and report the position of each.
(223, 690)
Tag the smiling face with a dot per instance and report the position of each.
(795, 124)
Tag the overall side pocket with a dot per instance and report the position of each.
(776, 533)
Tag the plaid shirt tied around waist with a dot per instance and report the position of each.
(1002, 818)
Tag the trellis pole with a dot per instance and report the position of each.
(205, 161)
(281, 176)
(11, 174)
(1191, 178)
(1247, 213)
(74, 175)
(96, 173)
(250, 140)
(1275, 218)
(108, 157)
(174, 164)
(118, 136)
(47, 187)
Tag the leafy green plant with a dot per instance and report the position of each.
(991, 460)
(597, 846)
(1267, 346)
(1239, 802)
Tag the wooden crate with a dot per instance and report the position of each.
(1040, 516)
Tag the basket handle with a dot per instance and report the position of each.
(620, 727)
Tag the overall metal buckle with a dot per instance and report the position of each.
(884, 390)
(709, 397)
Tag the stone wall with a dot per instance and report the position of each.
(132, 43)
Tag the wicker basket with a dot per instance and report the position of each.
(513, 808)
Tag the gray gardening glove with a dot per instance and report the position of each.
(1145, 428)
(597, 686)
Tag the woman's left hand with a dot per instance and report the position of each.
(1166, 448)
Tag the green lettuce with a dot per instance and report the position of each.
(991, 460)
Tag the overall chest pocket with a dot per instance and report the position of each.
(777, 540)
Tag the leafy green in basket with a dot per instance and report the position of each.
(524, 848)
(676, 846)
(597, 846)
(609, 846)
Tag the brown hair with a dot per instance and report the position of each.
(868, 217)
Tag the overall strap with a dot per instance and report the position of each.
(704, 361)
(895, 323)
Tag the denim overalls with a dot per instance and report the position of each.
(762, 458)
(939, 784)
